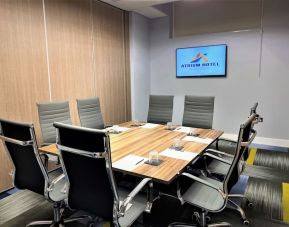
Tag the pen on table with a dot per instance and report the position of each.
(139, 161)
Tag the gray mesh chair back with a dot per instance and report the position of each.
(160, 109)
(20, 143)
(245, 138)
(198, 111)
(89, 113)
(50, 113)
(85, 157)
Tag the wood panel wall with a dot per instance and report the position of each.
(23, 75)
(56, 50)
(110, 81)
(70, 48)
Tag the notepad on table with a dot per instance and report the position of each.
(183, 155)
(149, 125)
(198, 139)
(129, 162)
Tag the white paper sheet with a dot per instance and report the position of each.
(183, 155)
(149, 125)
(197, 139)
(117, 128)
(129, 162)
(184, 129)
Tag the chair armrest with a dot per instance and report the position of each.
(204, 182)
(54, 182)
(132, 194)
(219, 152)
(247, 143)
(218, 158)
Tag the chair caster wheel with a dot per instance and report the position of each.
(250, 204)
(208, 218)
(90, 224)
(246, 222)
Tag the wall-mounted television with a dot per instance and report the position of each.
(202, 61)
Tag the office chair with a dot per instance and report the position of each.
(160, 109)
(210, 195)
(89, 113)
(215, 168)
(29, 172)
(198, 111)
(220, 168)
(86, 159)
(48, 114)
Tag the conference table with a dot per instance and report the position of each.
(130, 148)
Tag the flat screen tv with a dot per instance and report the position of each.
(202, 61)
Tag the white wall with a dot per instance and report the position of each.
(243, 86)
(140, 65)
(153, 72)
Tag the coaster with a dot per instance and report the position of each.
(171, 129)
(179, 148)
(154, 162)
(194, 134)
(137, 125)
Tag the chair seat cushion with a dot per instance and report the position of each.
(205, 197)
(218, 167)
(137, 208)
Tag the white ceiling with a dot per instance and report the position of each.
(145, 8)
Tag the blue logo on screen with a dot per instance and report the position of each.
(201, 61)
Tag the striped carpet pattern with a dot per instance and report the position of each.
(268, 183)
(23, 207)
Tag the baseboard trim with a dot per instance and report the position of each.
(261, 140)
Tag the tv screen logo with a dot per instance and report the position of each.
(201, 61)
(199, 57)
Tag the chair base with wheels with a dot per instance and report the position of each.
(201, 219)
(58, 220)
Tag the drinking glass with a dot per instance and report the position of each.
(177, 144)
(153, 157)
(169, 125)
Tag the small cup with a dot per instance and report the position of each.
(153, 157)
(169, 125)
(115, 129)
(136, 123)
(177, 143)
(191, 131)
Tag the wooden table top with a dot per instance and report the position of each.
(140, 141)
